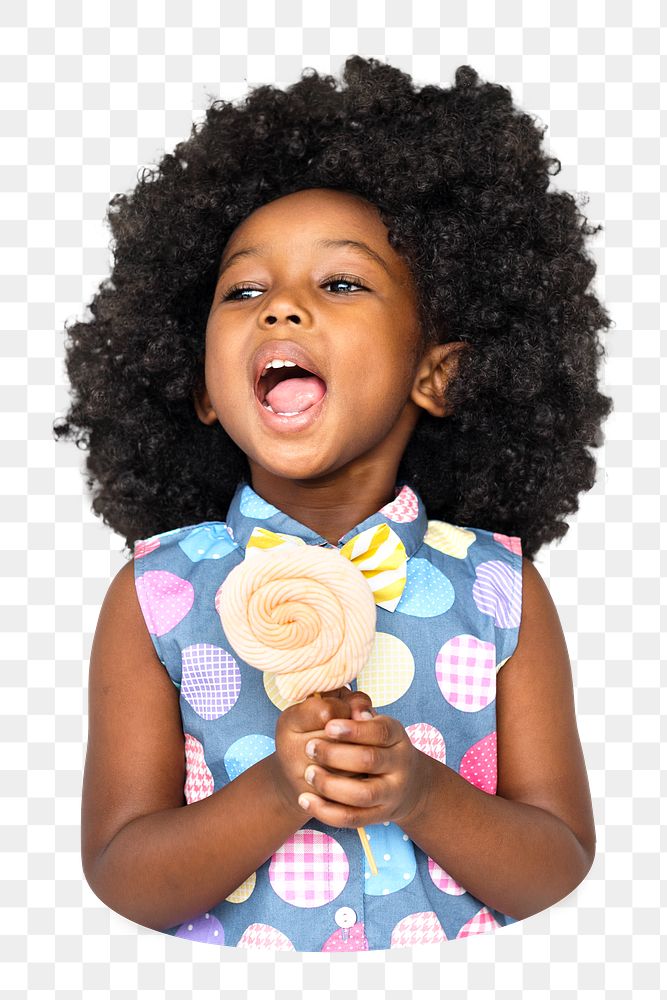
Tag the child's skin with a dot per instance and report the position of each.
(518, 851)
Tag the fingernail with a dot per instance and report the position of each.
(310, 748)
(336, 729)
(310, 775)
(366, 715)
(304, 801)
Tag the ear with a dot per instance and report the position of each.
(435, 371)
(203, 406)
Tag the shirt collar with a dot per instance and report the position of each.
(405, 514)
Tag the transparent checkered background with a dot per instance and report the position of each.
(88, 95)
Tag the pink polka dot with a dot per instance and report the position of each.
(428, 739)
(404, 508)
(442, 880)
(165, 599)
(198, 778)
(511, 542)
(465, 672)
(310, 869)
(483, 922)
(143, 547)
(479, 764)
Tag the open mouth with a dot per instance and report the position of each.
(288, 391)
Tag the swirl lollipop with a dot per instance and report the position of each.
(303, 613)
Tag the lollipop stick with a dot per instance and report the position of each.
(363, 836)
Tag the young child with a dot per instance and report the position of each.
(340, 314)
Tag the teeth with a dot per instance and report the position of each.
(276, 363)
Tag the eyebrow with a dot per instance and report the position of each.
(357, 245)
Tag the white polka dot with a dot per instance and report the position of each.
(406, 875)
(386, 823)
(385, 892)
(189, 927)
(387, 857)
(405, 836)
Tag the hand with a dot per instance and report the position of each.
(298, 724)
(387, 778)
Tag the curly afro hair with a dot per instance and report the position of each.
(499, 261)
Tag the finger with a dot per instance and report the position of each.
(381, 730)
(349, 757)
(314, 712)
(359, 703)
(360, 793)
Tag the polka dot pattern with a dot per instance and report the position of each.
(449, 539)
(479, 764)
(497, 592)
(206, 929)
(144, 547)
(428, 739)
(165, 599)
(243, 891)
(211, 679)
(264, 937)
(442, 881)
(432, 666)
(428, 592)
(246, 751)
(394, 855)
(207, 541)
(417, 928)
(465, 672)
(310, 869)
(482, 923)
(403, 508)
(389, 671)
(255, 507)
(511, 542)
(198, 778)
(347, 939)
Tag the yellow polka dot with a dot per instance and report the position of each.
(389, 671)
(449, 538)
(243, 891)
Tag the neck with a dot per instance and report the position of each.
(330, 505)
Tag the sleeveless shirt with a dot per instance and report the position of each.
(433, 666)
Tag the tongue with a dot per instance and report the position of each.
(296, 394)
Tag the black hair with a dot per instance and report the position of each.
(461, 181)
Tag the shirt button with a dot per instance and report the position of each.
(345, 916)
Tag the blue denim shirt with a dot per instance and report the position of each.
(433, 667)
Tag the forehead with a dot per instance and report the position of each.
(314, 210)
(311, 217)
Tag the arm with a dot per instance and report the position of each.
(531, 844)
(145, 853)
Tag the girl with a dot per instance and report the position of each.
(340, 315)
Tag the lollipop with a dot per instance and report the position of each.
(303, 613)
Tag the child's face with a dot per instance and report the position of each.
(363, 342)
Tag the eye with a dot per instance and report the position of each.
(238, 288)
(344, 279)
(337, 279)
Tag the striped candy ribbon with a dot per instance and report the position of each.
(377, 552)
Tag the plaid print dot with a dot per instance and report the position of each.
(482, 923)
(465, 669)
(442, 880)
(310, 869)
(211, 679)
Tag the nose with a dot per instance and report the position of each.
(270, 318)
(283, 306)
